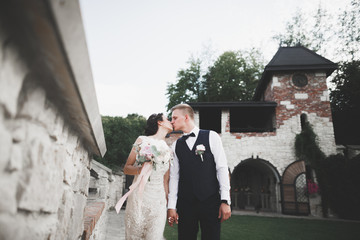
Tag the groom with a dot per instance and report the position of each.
(199, 180)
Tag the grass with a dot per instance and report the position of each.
(262, 228)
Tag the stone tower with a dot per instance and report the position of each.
(296, 80)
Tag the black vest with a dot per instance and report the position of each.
(197, 178)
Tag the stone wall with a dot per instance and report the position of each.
(105, 190)
(277, 148)
(108, 186)
(44, 169)
(47, 136)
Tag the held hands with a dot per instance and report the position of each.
(224, 212)
(172, 217)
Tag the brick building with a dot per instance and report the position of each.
(259, 136)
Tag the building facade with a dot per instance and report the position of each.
(259, 136)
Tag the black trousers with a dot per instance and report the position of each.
(192, 212)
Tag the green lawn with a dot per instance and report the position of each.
(261, 228)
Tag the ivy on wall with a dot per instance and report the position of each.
(308, 150)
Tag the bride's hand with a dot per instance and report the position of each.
(172, 217)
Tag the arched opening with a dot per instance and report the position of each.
(295, 199)
(254, 186)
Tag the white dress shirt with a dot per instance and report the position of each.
(220, 162)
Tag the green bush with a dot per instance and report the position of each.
(120, 134)
(338, 176)
(342, 182)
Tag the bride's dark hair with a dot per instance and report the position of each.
(152, 124)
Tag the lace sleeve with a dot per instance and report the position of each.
(137, 148)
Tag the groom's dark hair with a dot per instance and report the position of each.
(187, 109)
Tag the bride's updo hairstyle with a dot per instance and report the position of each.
(152, 124)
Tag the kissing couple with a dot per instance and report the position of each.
(187, 184)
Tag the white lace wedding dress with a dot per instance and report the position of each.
(145, 215)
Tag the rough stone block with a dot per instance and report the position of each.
(284, 102)
(290, 106)
(275, 82)
(19, 131)
(11, 228)
(64, 214)
(44, 176)
(48, 117)
(5, 146)
(12, 74)
(85, 179)
(8, 183)
(68, 166)
(40, 226)
(34, 104)
(301, 96)
(320, 74)
(16, 159)
(71, 143)
(27, 226)
(76, 224)
(57, 129)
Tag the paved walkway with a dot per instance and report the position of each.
(115, 229)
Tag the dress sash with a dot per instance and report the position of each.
(139, 183)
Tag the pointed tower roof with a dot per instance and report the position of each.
(293, 59)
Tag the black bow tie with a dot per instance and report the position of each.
(188, 135)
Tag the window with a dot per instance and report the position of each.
(303, 121)
(252, 119)
(299, 80)
(210, 119)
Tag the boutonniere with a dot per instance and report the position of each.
(200, 149)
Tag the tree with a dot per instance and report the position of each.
(232, 77)
(348, 36)
(346, 94)
(120, 133)
(295, 32)
(345, 103)
(312, 32)
(189, 85)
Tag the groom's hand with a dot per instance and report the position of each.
(224, 212)
(172, 217)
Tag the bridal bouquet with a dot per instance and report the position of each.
(145, 156)
(146, 153)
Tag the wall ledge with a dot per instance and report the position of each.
(92, 214)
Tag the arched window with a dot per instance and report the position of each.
(303, 120)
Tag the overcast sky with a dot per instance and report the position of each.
(136, 47)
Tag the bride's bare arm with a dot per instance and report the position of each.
(129, 168)
(166, 183)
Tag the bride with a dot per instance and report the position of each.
(149, 161)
